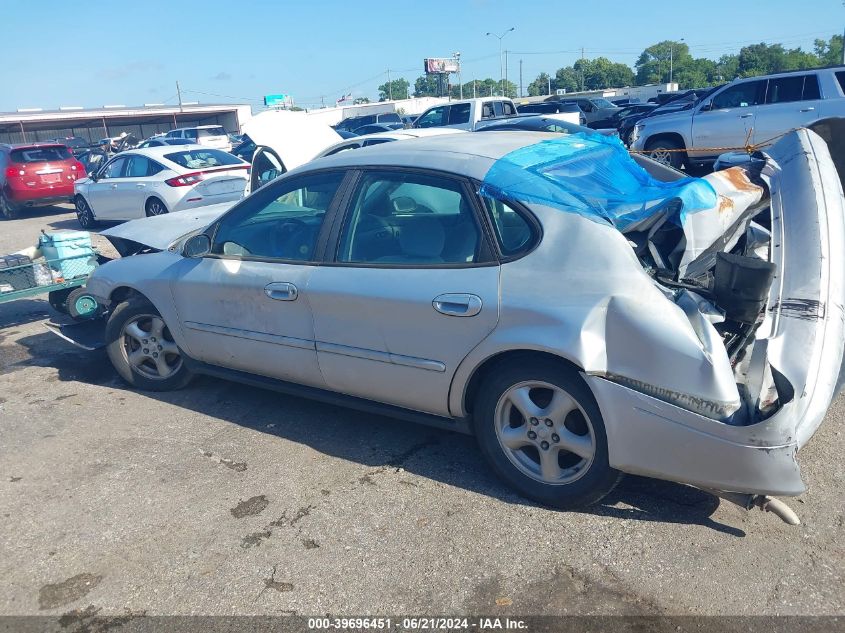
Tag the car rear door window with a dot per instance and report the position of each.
(785, 89)
(811, 88)
(840, 77)
(507, 108)
(280, 221)
(459, 114)
(409, 219)
(514, 233)
(203, 158)
(137, 167)
(497, 108)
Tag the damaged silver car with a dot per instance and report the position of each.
(583, 313)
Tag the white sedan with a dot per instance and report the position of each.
(158, 180)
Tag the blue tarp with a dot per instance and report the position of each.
(594, 176)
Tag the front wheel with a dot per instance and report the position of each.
(666, 152)
(541, 430)
(142, 350)
(84, 214)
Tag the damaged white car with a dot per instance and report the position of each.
(583, 313)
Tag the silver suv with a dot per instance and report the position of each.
(744, 111)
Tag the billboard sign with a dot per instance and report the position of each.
(440, 65)
(276, 100)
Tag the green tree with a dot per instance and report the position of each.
(540, 86)
(395, 89)
(829, 51)
(425, 86)
(654, 62)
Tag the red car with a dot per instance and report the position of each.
(36, 174)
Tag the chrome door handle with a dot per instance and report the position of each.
(281, 291)
(114, 186)
(140, 185)
(810, 109)
(459, 305)
(745, 116)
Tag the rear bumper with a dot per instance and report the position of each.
(40, 196)
(656, 439)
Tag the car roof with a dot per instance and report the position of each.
(35, 144)
(467, 154)
(160, 151)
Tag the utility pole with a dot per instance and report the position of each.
(550, 85)
(179, 95)
(671, 60)
(460, 79)
(520, 78)
(389, 87)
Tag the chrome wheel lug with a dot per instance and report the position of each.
(534, 421)
(155, 354)
(545, 445)
(549, 422)
(146, 351)
(145, 341)
(532, 435)
(555, 437)
(153, 339)
(159, 347)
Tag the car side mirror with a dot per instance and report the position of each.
(707, 107)
(197, 246)
(93, 175)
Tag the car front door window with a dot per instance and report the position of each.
(742, 95)
(114, 169)
(279, 222)
(433, 118)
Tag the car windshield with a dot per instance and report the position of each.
(211, 131)
(40, 154)
(75, 142)
(202, 158)
(602, 103)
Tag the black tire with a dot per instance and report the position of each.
(8, 209)
(136, 310)
(591, 480)
(84, 214)
(81, 304)
(58, 299)
(672, 157)
(155, 206)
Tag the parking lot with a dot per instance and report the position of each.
(225, 499)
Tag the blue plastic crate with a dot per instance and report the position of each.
(68, 252)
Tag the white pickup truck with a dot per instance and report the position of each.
(466, 114)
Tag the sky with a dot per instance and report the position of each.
(94, 53)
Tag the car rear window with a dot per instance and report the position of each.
(202, 158)
(40, 154)
(211, 131)
(390, 117)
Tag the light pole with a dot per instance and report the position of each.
(501, 70)
(671, 58)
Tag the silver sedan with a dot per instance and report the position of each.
(581, 313)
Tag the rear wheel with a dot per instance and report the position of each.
(155, 207)
(542, 432)
(8, 209)
(84, 214)
(666, 152)
(142, 350)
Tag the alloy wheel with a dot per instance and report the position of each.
(545, 432)
(149, 348)
(155, 207)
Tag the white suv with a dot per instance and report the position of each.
(744, 111)
(209, 135)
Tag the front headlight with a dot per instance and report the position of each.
(635, 133)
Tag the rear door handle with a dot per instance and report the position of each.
(810, 109)
(140, 185)
(460, 305)
(114, 186)
(745, 116)
(281, 291)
